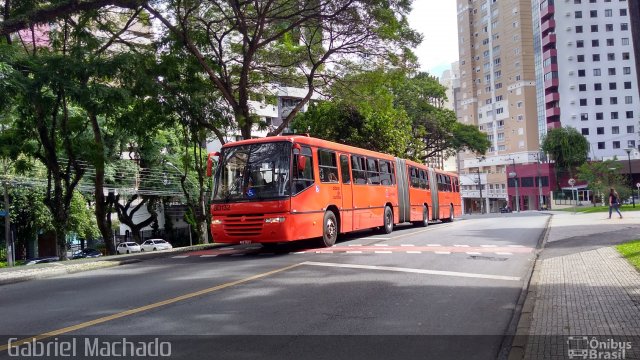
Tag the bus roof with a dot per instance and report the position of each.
(308, 140)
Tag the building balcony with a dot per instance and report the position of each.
(547, 12)
(550, 67)
(552, 112)
(549, 53)
(549, 39)
(547, 25)
(553, 83)
(551, 97)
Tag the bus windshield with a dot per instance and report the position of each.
(253, 172)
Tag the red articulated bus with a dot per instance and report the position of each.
(287, 188)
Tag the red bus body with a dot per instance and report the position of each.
(408, 188)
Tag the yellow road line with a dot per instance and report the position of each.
(143, 308)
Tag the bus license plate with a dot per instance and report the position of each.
(243, 242)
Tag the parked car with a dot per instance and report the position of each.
(155, 244)
(41, 260)
(128, 247)
(86, 253)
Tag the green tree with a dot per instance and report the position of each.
(567, 147)
(603, 175)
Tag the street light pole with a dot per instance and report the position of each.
(628, 150)
(480, 184)
(514, 176)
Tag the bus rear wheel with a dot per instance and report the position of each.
(388, 220)
(329, 229)
(425, 218)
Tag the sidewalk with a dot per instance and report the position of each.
(41, 271)
(582, 289)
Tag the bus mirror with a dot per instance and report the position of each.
(210, 160)
(296, 149)
(302, 162)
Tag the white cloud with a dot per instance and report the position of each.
(437, 21)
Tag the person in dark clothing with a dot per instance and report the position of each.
(614, 202)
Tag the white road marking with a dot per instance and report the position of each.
(300, 252)
(473, 253)
(180, 256)
(434, 245)
(442, 252)
(378, 238)
(324, 252)
(461, 245)
(515, 246)
(380, 245)
(407, 245)
(227, 248)
(210, 255)
(504, 253)
(383, 252)
(414, 252)
(353, 252)
(415, 271)
(488, 246)
(355, 244)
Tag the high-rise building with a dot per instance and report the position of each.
(590, 72)
(497, 94)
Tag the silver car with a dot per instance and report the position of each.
(155, 244)
(128, 248)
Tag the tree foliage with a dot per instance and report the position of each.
(603, 175)
(567, 147)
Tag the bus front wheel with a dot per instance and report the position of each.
(388, 220)
(329, 229)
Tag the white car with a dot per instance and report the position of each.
(156, 244)
(128, 248)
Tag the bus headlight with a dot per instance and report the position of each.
(216, 222)
(279, 219)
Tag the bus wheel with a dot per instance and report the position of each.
(425, 217)
(329, 229)
(451, 215)
(388, 220)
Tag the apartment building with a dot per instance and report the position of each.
(590, 73)
(498, 94)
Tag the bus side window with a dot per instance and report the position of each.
(385, 172)
(415, 179)
(392, 170)
(426, 179)
(423, 180)
(373, 173)
(358, 172)
(303, 170)
(344, 169)
(328, 166)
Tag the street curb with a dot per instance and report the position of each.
(513, 346)
(26, 273)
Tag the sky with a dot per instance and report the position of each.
(437, 21)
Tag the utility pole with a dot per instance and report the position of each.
(628, 150)
(514, 176)
(480, 185)
(7, 226)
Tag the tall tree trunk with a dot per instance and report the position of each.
(103, 217)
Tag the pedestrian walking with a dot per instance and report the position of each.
(614, 202)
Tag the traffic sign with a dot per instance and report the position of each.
(638, 185)
(572, 181)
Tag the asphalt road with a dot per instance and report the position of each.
(447, 291)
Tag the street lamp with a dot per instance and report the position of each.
(629, 150)
(514, 176)
(480, 184)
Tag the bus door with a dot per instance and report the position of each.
(403, 190)
(435, 190)
(347, 214)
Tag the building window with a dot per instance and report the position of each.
(610, 42)
(579, 29)
(499, 110)
(594, 28)
(593, 13)
(616, 144)
(623, 12)
(615, 130)
(598, 101)
(585, 131)
(627, 85)
(595, 57)
(608, 13)
(597, 86)
(611, 56)
(613, 100)
(625, 41)
(584, 116)
(582, 87)
(631, 143)
(599, 116)
(614, 115)
(595, 43)
(612, 71)
(580, 58)
(580, 43)
(600, 131)
(630, 129)
(578, 15)
(499, 98)
(609, 27)
(625, 56)
(628, 99)
(596, 72)
(601, 145)
(629, 114)
(624, 26)
(612, 86)
(626, 70)
(583, 102)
